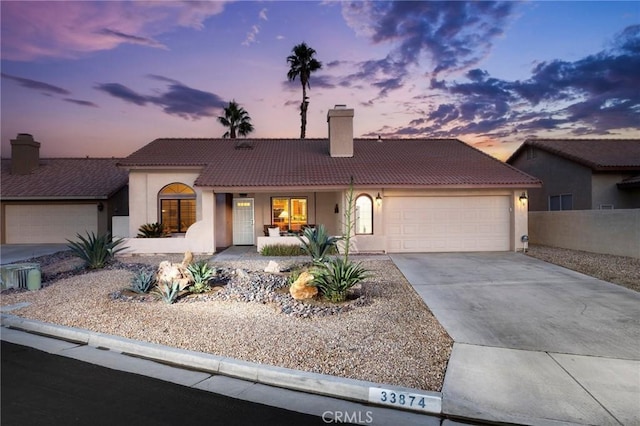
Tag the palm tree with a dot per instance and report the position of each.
(237, 120)
(302, 64)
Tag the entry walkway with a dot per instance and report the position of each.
(534, 343)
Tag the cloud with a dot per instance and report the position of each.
(188, 103)
(81, 102)
(251, 36)
(119, 91)
(446, 35)
(597, 94)
(178, 99)
(40, 86)
(128, 38)
(70, 29)
(263, 14)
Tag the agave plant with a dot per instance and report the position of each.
(202, 273)
(142, 282)
(152, 230)
(168, 292)
(96, 251)
(317, 243)
(335, 278)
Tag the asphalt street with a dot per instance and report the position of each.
(44, 389)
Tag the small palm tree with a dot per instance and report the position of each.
(237, 120)
(302, 64)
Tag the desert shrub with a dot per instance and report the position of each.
(336, 277)
(202, 273)
(152, 230)
(318, 243)
(142, 282)
(281, 250)
(96, 251)
(168, 292)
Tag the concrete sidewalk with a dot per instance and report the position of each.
(534, 343)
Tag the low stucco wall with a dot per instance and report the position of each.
(599, 231)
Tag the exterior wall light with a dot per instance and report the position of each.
(523, 198)
(100, 206)
(379, 200)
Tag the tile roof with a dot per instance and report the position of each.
(598, 154)
(307, 163)
(74, 178)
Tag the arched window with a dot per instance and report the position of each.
(364, 214)
(177, 207)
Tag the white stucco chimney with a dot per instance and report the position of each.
(340, 120)
(25, 154)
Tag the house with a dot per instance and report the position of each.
(49, 200)
(413, 195)
(581, 174)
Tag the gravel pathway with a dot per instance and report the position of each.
(387, 335)
(621, 270)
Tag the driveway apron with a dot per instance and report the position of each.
(535, 343)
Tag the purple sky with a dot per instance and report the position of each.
(105, 78)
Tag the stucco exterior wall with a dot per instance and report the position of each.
(144, 187)
(558, 176)
(605, 191)
(599, 231)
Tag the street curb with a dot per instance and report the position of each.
(315, 383)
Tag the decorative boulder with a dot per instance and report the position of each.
(301, 288)
(176, 272)
(272, 267)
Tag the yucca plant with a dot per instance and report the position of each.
(317, 243)
(142, 282)
(335, 278)
(96, 251)
(152, 230)
(168, 292)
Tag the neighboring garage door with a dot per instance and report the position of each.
(37, 223)
(445, 224)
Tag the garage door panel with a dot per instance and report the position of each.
(432, 224)
(37, 223)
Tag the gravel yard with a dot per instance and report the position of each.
(621, 270)
(387, 336)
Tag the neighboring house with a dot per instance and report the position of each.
(49, 200)
(411, 195)
(581, 174)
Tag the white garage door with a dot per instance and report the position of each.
(49, 223)
(445, 224)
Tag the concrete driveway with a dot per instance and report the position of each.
(10, 253)
(534, 343)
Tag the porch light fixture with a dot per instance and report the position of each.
(523, 198)
(336, 209)
(100, 206)
(379, 200)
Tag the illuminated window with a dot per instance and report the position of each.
(177, 207)
(289, 214)
(364, 215)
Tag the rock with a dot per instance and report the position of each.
(242, 274)
(174, 272)
(301, 289)
(188, 258)
(272, 267)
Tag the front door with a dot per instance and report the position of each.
(243, 227)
